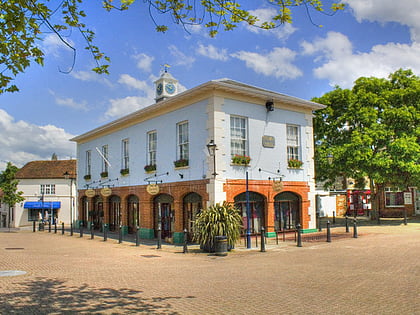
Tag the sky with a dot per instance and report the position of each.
(305, 59)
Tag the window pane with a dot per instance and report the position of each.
(183, 143)
(238, 132)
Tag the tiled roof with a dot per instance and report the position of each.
(47, 169)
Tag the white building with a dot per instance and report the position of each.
(167, 144)
(49, 189)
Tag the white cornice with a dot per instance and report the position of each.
(195, 94)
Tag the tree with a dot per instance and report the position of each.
(371, 131)
(8, 184)
(23, 24)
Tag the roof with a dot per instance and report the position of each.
(47, 169)
(223, 85)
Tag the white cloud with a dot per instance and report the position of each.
(277, 63)
(69, 102)
(131, 82)
(213, 52)
(181, 58)
(282, 32)
(341, 66)
(123, 106)
(406, 12)
(144, 62)
(90, 76)
(53, 45)
(22, 142)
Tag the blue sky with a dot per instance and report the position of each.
(370, 38)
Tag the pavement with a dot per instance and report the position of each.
(376, 273)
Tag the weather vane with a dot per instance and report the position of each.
(165, 67)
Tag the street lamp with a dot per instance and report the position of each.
(67, 176)
(212, 147)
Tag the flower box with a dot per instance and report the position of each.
(241, 159)
(87, 177)
(181, 163)
(125, 171)
(150, 168)
(104, 174)
(294, 163)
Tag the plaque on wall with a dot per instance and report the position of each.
(152, 189)
(268, 141)
(90, 193)
(106, 191)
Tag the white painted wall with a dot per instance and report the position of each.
(31, 192)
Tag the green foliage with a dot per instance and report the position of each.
(241, 159)
(218, 220)
(294, 163)
(23, 24)
(371, 130)
(8, 184)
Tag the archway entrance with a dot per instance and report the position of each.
(114, 212)
(163, 215)
(257, 210)
(286, 211)
(133, 213)
(192, 206)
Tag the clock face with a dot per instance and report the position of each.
(170, 88)
(159, 88)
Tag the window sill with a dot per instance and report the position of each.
(150, 172)
(237, 164)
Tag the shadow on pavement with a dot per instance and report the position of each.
(52, 296)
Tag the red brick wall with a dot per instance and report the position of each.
(265, 188)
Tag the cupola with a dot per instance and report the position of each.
(166, 85)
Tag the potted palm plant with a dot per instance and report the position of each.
(218, 220)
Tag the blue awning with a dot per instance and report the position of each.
(42, 205)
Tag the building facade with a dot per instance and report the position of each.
(220, 141)
(49, 189)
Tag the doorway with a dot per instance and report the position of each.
(257, 211)
(163, 215)
(286, 211)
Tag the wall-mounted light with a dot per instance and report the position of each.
(269, 105)
(212, 147)
(181, 175)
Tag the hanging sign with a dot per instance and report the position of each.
(106, 191)
(278, 186)
(152, 189)
(90, 193)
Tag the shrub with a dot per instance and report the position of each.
(150, 168)
(241, 159)
(181, 163)
(294, 163)
(125, 171)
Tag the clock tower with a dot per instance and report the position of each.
(166, 86)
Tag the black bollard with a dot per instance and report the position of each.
(71, 228)
(92, 235)
(328, 231)
(277, 237)
(405, 216)
(120, 235)
(33, 226)
(299, 236)
(333, 217)
(81, 229)
(62, 228)
(137, 236)
(159, 238)
(262, 239)
(347, 224)
(354, 228)
(49, 226)
(55, 228)
(105, 232)
(185, 250)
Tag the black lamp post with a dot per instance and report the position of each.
(212, 147)
(67, 176)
